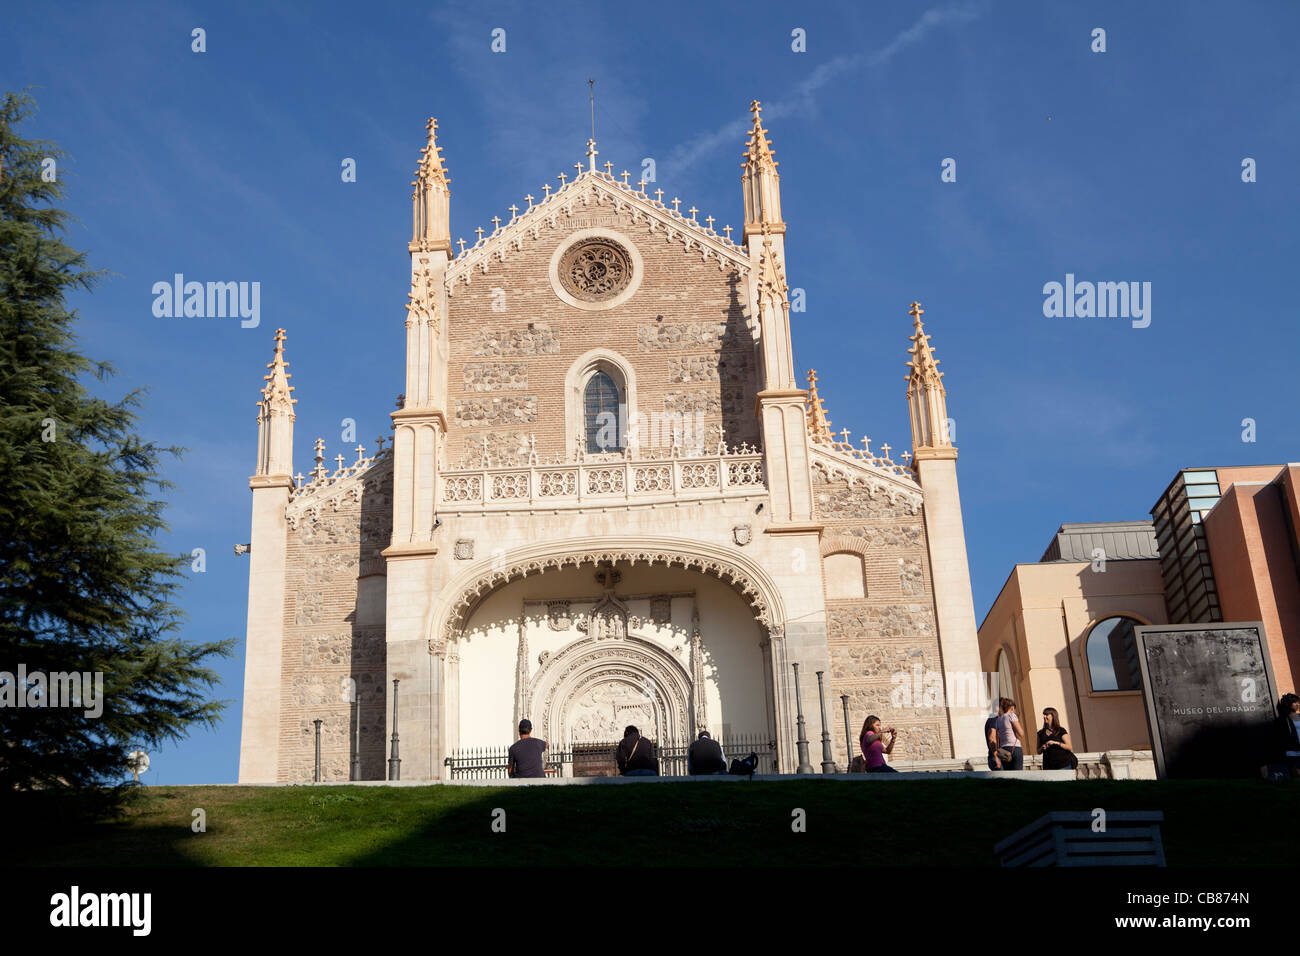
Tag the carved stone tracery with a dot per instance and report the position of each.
(595, 270)
(469, 596)
(591, 674)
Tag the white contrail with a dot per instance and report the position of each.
(685, 155)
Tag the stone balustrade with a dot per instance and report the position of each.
(612, 481)
(1107, 765)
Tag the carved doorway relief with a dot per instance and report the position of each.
(593, 688)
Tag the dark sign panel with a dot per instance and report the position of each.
(1210, 697)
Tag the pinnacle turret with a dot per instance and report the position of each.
(431, 198)
(275, 416)
(760, 182)
(926, 396)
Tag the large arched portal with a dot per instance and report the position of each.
(594, 687)
(593, 642)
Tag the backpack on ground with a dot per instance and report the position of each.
(746, 767)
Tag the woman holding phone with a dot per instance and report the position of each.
(873, 745)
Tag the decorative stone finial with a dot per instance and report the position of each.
(819, 425)
(319, 471)
(276, 392)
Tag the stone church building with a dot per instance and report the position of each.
(606, 501)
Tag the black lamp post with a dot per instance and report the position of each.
(828, 759)
(848, 736)
(394, 761)
(316, 775)
(356, 753)
(801, 742)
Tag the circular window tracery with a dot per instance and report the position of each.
(595, 270)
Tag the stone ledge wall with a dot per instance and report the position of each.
(890, 631)
(330, 638)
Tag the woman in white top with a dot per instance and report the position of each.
(1005, 735)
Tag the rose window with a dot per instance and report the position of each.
(595, 270)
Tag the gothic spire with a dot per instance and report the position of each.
(275, 394)
(275, 416)
(760, 181)
(926, 396)
(431, 198)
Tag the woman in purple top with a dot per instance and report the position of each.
(873, 745)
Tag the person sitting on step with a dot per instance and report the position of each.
(636, 755)
(705, 756)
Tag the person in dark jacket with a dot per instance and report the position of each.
(705, 756)
(636, 755)
(1287, 732)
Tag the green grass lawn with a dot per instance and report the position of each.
(887, 823)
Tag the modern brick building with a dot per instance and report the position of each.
(1221, 546)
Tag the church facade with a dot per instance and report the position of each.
(606, 501)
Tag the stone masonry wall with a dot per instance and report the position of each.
(892, 630)
(325, 645)
(512, 341)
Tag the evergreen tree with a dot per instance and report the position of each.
(83, 585)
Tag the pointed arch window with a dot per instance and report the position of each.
(601, 422)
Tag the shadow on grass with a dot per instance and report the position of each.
(735, 823)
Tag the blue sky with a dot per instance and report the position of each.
(1115, 166)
